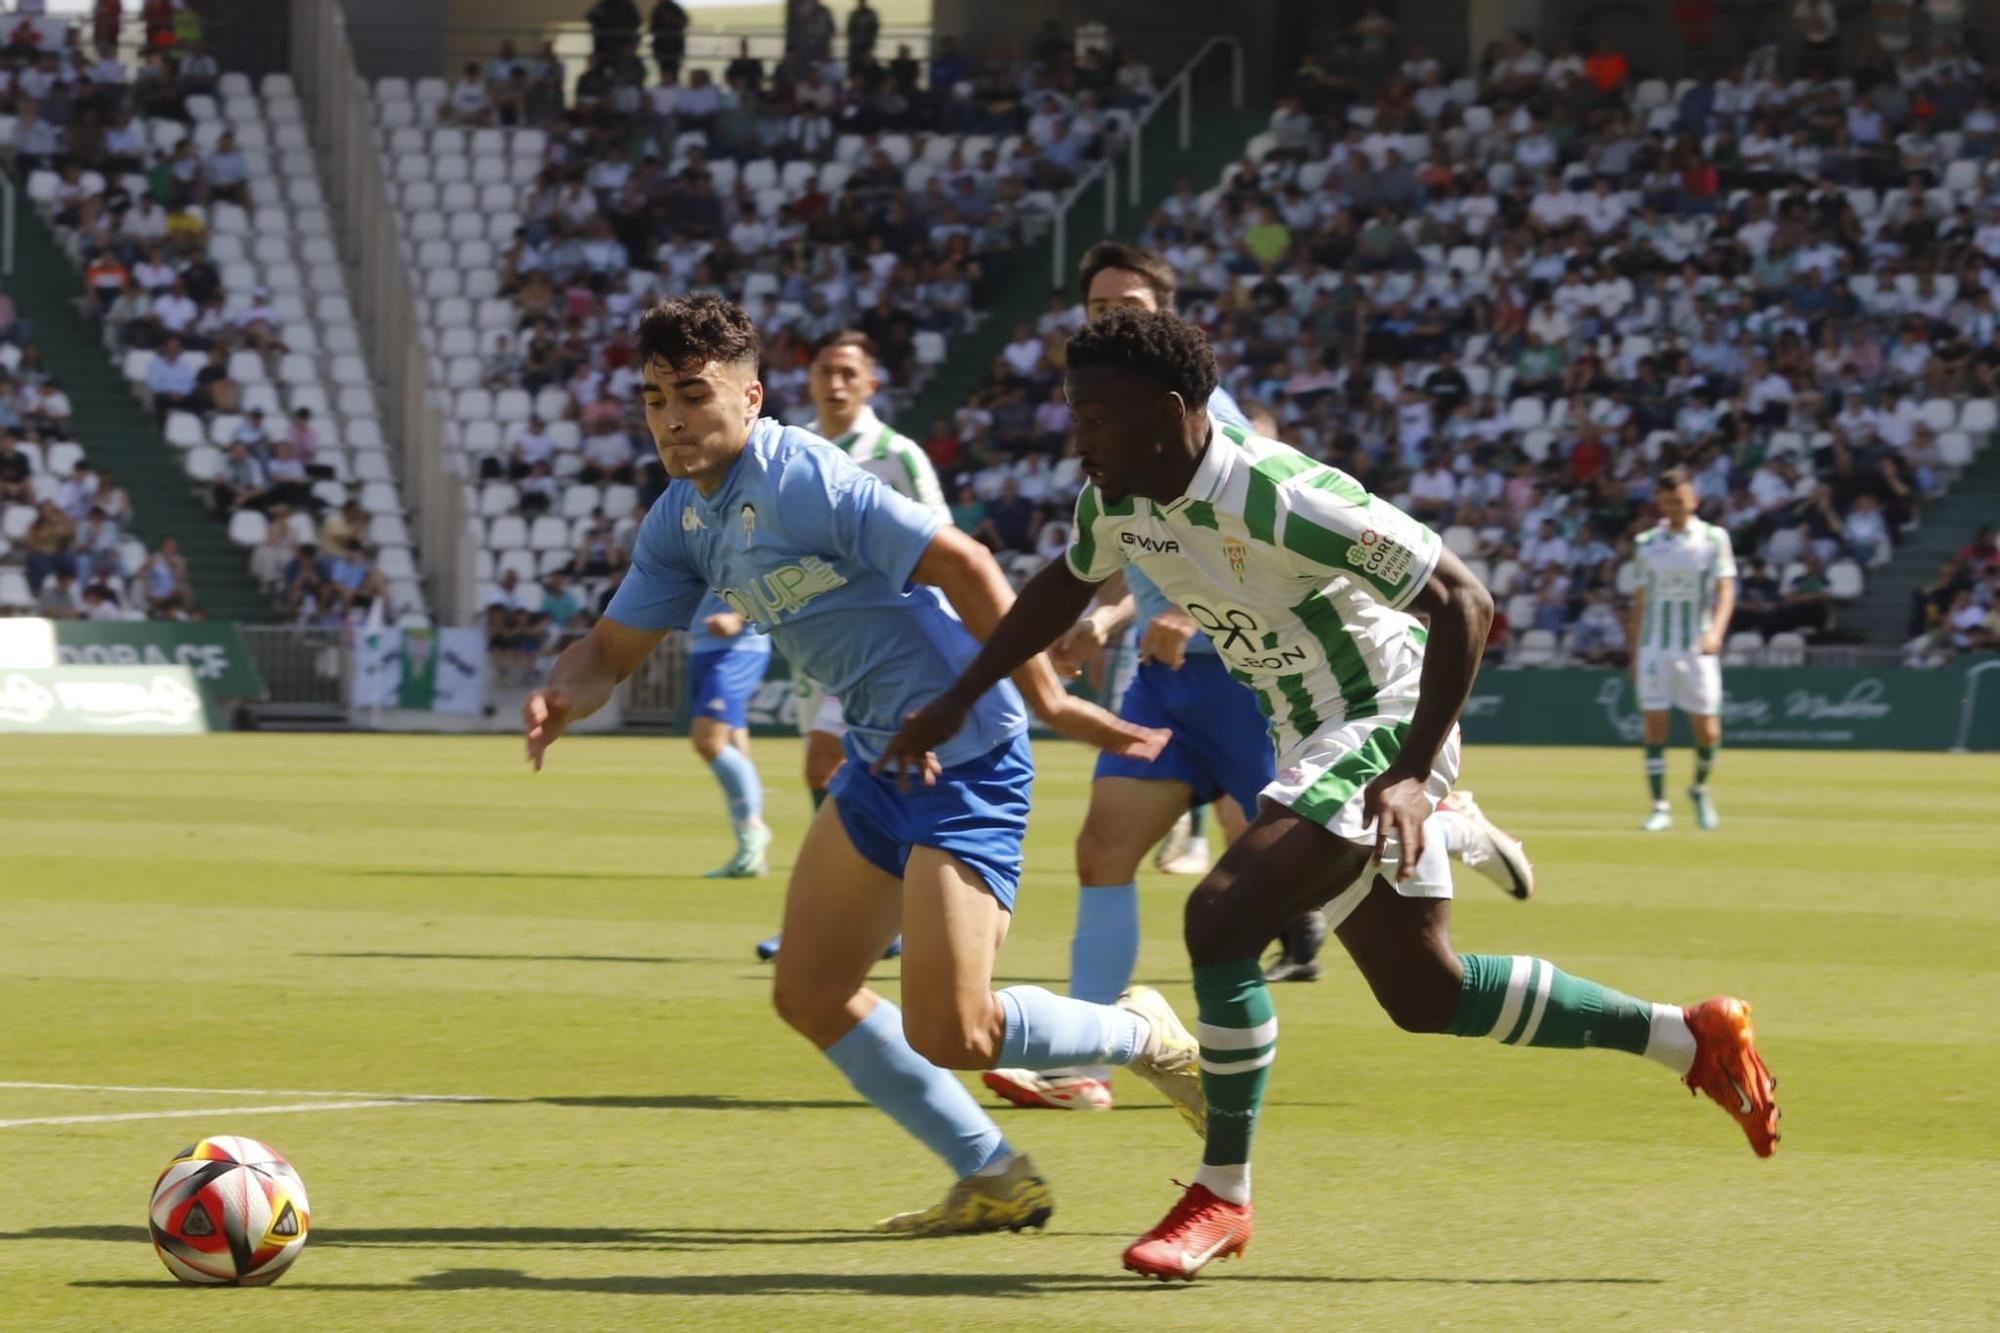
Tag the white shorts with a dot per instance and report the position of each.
(818, 710)
(1322, 779)
(1683, 679)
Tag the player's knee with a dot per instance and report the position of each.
(1420, 1000)
(1215, 928)
(806, 1008)
(1103, 856)
(820, 769)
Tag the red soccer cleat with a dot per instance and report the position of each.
(1036, 1090)
(1199, 1228)
(1728, 1068)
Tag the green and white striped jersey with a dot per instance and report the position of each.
(1297, 574)
(1677, 572)
(897, 461)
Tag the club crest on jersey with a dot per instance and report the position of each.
(1238, 557)
(691, 521)
(1381, 558)
(749, 517)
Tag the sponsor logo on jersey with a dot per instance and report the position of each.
(1151, 545)
(784, 590)
(1238, 557)
(1381, 558)
(1230, 627)
(691, 521)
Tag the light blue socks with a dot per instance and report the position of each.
(1105, 948)
(740, 784)
(927, 1101)
(1050, 1031)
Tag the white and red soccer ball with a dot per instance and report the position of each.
(229, 1212)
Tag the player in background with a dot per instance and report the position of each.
(1680, 616)
(1365, 704)
(726, 660)
(842, 381)
(882, 600)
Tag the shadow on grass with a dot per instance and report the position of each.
(594, 876)
(1015, 1285)
(502, 957)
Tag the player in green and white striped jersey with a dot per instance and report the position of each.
(1680, 614)
(1305, 583)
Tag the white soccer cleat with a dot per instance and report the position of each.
(1175, 844)
(1193, 861)
(1171, 1060)
(1490, 851)
(1659, 821)
(1049, 1090)
(1705, 816)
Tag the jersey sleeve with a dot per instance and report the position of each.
(832, 504)
(1725, 553)
(660, 590)
(1342, 529)
(1094, 554)
(923, 478)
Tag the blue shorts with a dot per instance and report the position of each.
(978, 811)
(720, 685)
(1221, 744)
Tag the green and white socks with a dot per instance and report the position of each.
(1525, 1001)
(1656, 773)
(1517, 1000)
(1238, 1032)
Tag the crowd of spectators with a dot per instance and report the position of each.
(134, 207)
(1506, 303)
(905, 187)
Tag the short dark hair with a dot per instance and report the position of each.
(1156, 344)
(1672, 478)
(1157, 272)
(695, 329)
(846, 338)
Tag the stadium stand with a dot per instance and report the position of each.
(537, 230)
(1504, 302)
(192, 204)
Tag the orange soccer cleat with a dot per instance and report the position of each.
(1728, 1068)
(1197, 1229)
(1052, 1090)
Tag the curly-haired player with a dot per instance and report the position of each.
(1311, 580)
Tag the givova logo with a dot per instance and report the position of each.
(1381, 558)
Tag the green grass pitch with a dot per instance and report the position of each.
(423, 916)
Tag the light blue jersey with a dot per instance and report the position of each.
(751, 640)
(800, 540)
(1149, 602)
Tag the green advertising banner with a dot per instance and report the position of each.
(1802, 708)
(100, 700)
(214, 651)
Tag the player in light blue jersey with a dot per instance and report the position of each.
(880, 600)
(726, 660)
(1221, 753)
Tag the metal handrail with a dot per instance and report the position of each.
(7, 202)
(1182, 84)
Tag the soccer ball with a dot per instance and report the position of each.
(228, 1212)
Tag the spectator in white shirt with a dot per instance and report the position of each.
(1547, 549)
(170, 380)
(1023, 355)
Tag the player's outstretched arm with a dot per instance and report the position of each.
(1015, 631)
(1461, 613)
(582, 681)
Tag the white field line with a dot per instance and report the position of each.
(255, 1092)
(350, 1104)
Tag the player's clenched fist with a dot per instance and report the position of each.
(544, 717)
